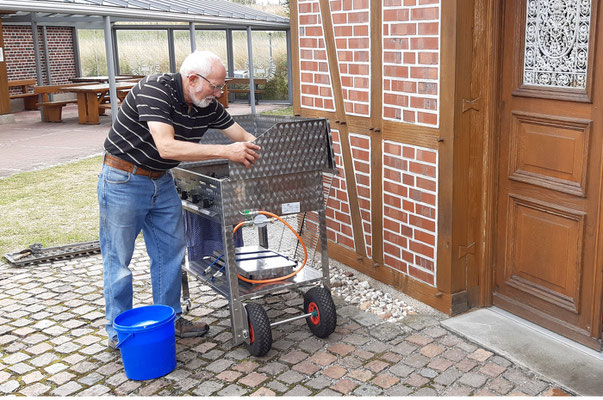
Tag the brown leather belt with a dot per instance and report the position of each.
(123, 165)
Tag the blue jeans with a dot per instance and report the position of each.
(128, 204)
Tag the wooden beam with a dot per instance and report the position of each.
(327, 28)
(294, 21)
(4, 91)
(376, 30)
(415, 135)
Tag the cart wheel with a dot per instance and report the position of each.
(260, 334)
(318, 301)
(186, 307)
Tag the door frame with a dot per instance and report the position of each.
(486, 70)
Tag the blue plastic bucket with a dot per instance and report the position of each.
(147, 341)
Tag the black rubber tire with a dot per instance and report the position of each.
(260, 332)
(319, 298)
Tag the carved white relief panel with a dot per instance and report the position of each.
(557, 40)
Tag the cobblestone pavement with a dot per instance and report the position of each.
(52, 343)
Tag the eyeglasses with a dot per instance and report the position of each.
(214, 87)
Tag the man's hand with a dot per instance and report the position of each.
(243, 152)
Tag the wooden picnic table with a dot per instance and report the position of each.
(103, 78)
(92, 97)
(29, 98)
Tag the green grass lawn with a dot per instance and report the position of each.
(54, 206)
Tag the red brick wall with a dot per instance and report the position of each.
(411, 91)
(316, 90)
(20, 58)
(411, 71)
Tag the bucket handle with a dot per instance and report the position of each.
(118, 345)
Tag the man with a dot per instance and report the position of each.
(158, 125)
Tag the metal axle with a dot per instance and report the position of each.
(312, 314)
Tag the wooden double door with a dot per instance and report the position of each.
(549, 255)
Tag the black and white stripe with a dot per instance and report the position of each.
(159, 98)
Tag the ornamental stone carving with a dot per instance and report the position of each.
(556, 46)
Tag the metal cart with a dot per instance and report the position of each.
(287, 179)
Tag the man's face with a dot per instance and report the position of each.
(204, 89)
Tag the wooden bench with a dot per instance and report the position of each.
(245, 81)
(29, 98)
(52, 111)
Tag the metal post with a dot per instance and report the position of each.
(230, 59)
(110, 66)
(263, 236)
(46, 55)
(270, 60)
(191, 27)
(251, 82)
(76, 53)
(36, 43)
(171, 51)
(115, 52)
(289, 67)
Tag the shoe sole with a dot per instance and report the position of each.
(191, 334)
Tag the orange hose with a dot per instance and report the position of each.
(282, 278)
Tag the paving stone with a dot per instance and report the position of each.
(385, 381)
(367, 390)
(319, 382)
(263, 392)
(294, 357)
(500, 385)
(306, 368)
(219, 366)
(38, 349)
(440, 364)
(351, 362)
(458, 391)
(492, 369)
(119, 378)
(425, 392)
(44, 359)
(61, 377)
(419, 339)
(290, 377)
(473, 379)
(416, 360)
(253, 379)
(454, 355)
(37, 389)
(277, 386)
(404, 348)
(468, 347)
(392, 358)
(388, 331)
(484, 392)
(435, 332)
(503, 362)
(16, 358)
(334, 372)
(432, 350)
(94, 391)
(399, 390)
(273, 368)
(84, 366)
(402, 370)
(328, 393)
(356, 340)
(232, 390)
(20, 369)
(298, 391)
(323, 358)
(9, 386)
(377, 366)
(28, 379)
(360, 374)
(91, 379)
(448, 377)
(416, 380)
(428, 373)
(229, 376)
(533, 387)
(246, 366)
(66, 389)
(344, 386)
(466, 365)
(377, 347)
(480, 355)
(110, 369)
(67, 348)
(341, 349)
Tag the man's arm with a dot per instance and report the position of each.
(172, 149)
(236, 133)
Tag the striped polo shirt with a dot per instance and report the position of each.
(159, 98)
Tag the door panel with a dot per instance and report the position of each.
(549, 182)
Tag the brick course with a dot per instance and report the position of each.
(20, 58)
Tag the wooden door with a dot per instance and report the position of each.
(548, 267)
